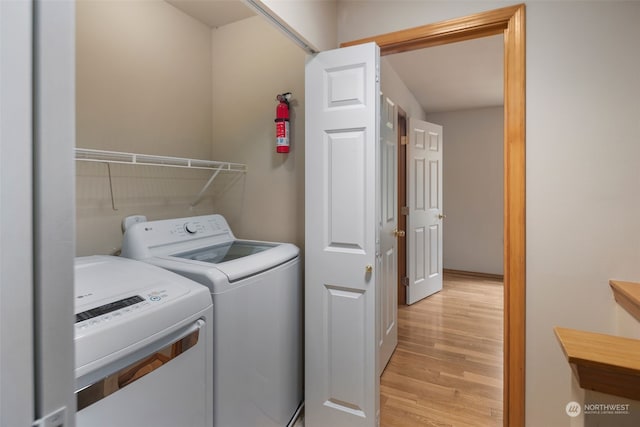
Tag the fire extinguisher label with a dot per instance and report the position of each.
(282, 133)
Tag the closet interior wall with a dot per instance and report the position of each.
(151, 79)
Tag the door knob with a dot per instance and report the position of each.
(440, 216)
(368, 268)
(398, 233)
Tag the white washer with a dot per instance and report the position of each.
(143, 346)
(257, 298)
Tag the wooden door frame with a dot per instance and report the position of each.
(509, 21)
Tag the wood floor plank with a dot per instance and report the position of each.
(447, 370)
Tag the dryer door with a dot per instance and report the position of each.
(166, 384)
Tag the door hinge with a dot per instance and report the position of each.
(404, 281)
(404, 210)
(403, 140)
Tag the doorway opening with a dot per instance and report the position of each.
(402, 201)
(509, 21)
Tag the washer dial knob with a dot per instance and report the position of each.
(191, 227)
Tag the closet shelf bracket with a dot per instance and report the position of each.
(200, 195)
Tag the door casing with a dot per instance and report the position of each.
(510, 22)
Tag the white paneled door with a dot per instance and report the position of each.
(388, 265)
(342, 217)
(424, 222)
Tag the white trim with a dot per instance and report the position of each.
(16, 231)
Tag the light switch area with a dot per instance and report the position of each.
(57, 418)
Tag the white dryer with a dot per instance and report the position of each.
(143, 346)
(258, 323)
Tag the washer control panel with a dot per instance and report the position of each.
(160, 238)
(172, 230)
(192, 227)
(175, 230)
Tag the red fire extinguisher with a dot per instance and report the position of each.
(282, 123)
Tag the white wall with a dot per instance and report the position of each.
(361, 18)
(583, 181)
(473, 189)
(394, 88)
(583, 204)
(143, 79)
(153, 80)
(259, 63)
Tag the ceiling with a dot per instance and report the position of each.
(455, 76)
(214, 13)
(451, 77)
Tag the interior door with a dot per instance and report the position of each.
(342, 209)
(388, 289)
(424, 222)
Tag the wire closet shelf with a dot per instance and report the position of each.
(108, 157)
(103, 156)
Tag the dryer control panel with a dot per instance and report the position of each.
(125, 307)
(122, 305)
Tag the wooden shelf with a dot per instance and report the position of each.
(603, 363)
(627, 294)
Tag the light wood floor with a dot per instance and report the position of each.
(447, 368)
